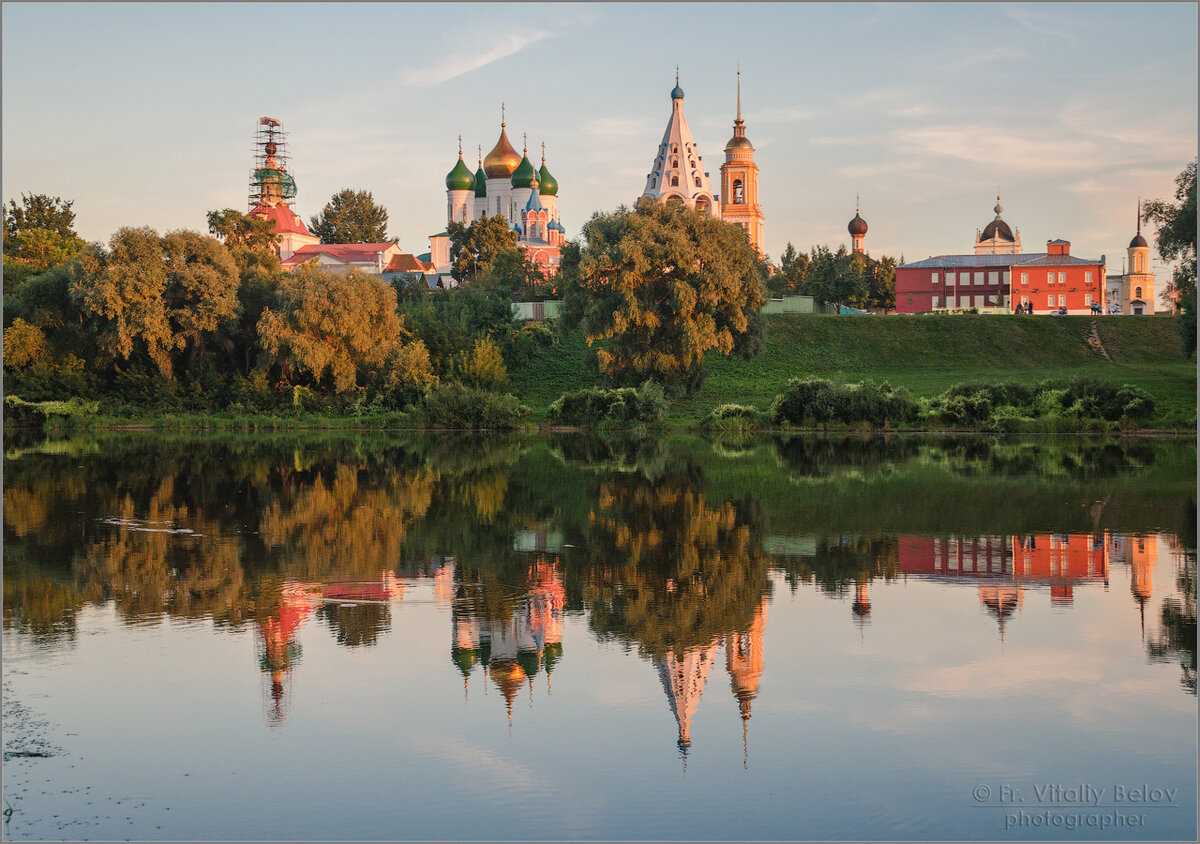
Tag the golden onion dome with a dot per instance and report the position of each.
(503, 159)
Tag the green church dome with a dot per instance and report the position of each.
(524, 176)
(480, 182)
(460, 177)
(547, 186)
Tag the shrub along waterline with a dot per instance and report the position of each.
(622, 406)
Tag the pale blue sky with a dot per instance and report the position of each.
(144, 114)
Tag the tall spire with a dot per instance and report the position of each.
(1139, 222)
(739, 92)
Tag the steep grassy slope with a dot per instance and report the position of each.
(926, 354)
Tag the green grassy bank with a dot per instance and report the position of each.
(926, 354)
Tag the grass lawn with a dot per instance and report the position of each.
(926, 354)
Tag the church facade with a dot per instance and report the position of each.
(506, 185)
(678, 175)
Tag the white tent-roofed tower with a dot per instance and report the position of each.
(678, 171)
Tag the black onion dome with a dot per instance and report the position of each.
(1138, 241)
(999, 230)
(858, 226)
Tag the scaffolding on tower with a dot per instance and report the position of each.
(270, 182)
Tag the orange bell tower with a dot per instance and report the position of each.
(739, 181)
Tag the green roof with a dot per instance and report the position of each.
(524, 176)
(547, 186)
(460, 177)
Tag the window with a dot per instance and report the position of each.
(697, 181)
(1050, 301)
(950, 279)
(1024, 300)
(1062, 299)
(979, 277)
(738, 196)
(654, 182)
(674, 181)
(1087, 299)
(993, 277)
(1087, 277)
(935, 301)
(1137, 293)
(1024, 278)
(979, 301)
(674, 162)
(1062, 278)
(1049, 278)
(1137, 263)
(933, 277)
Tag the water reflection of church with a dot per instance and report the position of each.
(1003, 567)
(510, 637)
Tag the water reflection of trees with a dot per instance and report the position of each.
(1178, 637)
(842, 561)
(663, 568)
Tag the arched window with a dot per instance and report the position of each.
(674, 162)
(702, 203)
(654, 182)
(674, 181)
(738, 195)
(697, 181)
(1137, 293)
(1137, 265)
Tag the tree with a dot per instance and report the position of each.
(351, 217)
(837, 277)
(156, 294)
(881, 283)
(1177, 242)
(514, 274)
(38, 234)
(334, 330)
(793, 269)
(237, 229)
(475, 247)
(123, 289)
(665, 284)
(202, 288)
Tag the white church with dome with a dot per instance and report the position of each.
(506, 185)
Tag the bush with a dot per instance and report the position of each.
(817, 401)
(456, 406)
(733, 419)
(590, 407)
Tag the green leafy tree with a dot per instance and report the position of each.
(351, 216)
(201, 290)
(156, 295)
(881, 283)
(237, 229)
(1176, 223)
(40, 230)
(475, 247)
(793, 269)
(332, 330)
(24, 344)
(514, 274)
(838, 278)
(482, 368)
(665, 284)
(123, 290)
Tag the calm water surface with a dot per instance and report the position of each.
(521, 638)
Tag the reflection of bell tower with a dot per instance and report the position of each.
(744, 661)
(1002, 601)
(862, 601)
(1143, 555)
(683, 680)
(279, 651)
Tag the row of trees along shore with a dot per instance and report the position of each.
(204, 322)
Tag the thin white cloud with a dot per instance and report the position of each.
(1002, 149)
(503, 46)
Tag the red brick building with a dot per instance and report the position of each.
(1047, 280)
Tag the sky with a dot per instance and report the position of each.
(144, 114)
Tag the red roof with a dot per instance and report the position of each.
(405, 263)
(353, 253)
(286, 220)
